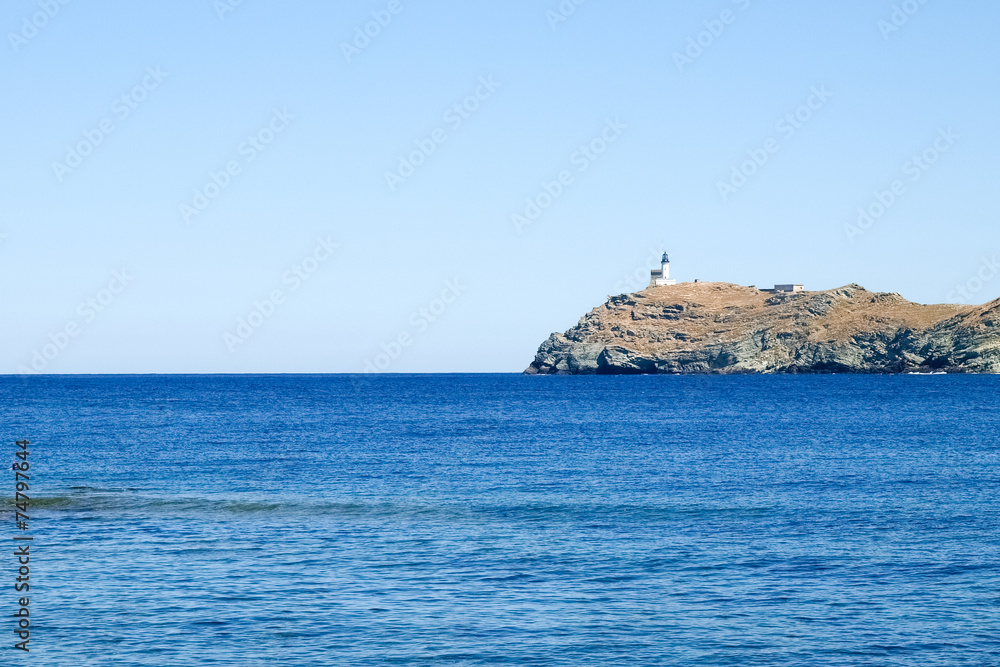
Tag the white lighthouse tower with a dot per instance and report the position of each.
(661, 277)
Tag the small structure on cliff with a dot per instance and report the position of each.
(661, 277)
(786, 288)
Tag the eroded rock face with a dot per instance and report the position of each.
(724, 328)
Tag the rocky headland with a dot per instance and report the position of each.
(707, 328)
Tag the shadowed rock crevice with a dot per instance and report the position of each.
(722, 328)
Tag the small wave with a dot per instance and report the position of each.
(127, 500)
(97, 489)
(77, 497)
(36, 502)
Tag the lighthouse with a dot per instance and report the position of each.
(661, 277)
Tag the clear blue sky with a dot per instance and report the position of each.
(331, 122)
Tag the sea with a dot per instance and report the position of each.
(504, 520)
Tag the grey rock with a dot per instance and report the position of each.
(717, 328)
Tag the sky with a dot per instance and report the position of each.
(216, 186)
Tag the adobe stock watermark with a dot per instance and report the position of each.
(454, 116)
(913, 169)
(901, 15)
(31, 25)
(86, 312)
(223, 7)
(363, 35)
(639, 278)
(786, 127)
(293, 279)
(988, 270)
(121, 108)
(562, 13)
(714, 28)
(248, 150)
(420, 321)
(582, 158)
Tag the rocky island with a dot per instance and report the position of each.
(724, 328)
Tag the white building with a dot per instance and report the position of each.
(661, 277)
(786, 288)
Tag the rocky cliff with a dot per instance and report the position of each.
(725, 328)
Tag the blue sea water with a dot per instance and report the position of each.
(508, 520)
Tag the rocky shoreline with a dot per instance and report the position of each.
(721, 328)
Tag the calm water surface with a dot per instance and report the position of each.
(501, 519)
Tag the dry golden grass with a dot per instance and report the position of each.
(688, 316)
